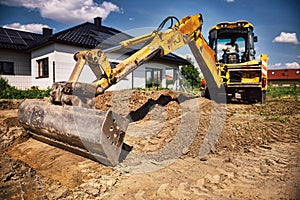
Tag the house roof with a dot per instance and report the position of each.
(284, 74)
(173, 57)
(18, 40)
(86, 35)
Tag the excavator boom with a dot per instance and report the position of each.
(185, 31)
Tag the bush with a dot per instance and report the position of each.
(9, 92)
(283, 91)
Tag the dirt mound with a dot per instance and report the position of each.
(145, 110)
(11, 132)
(256, 155)
(248, 126)
(6, 104)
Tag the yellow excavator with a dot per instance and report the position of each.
(71, 123)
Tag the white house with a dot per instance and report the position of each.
(29, 59)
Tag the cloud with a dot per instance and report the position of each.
(67, 11)
(229, 1)
(275, 66)
(292, 65)
(34, 28)
(286, 38)
(131, 19)
(185, 56)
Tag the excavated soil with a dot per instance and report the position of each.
(177, 146)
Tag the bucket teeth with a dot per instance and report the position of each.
(91, 133)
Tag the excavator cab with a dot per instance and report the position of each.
(244, 77)
(233, 42)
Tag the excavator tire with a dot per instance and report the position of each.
(95, 134)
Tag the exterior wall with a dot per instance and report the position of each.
(21, 61)
(61, 64)
(44, 52)
(64, 61)
(139, 80)
(284, 83)
(22, 70)
(284, 77)
(62, 57)
(20, 81)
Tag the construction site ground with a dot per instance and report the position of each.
(254, 152)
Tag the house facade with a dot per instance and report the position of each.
(284, 77)
(29, 59)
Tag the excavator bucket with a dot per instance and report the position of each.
(92, 133)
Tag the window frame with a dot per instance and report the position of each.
(153, 78)
(43, 68)
(11, 72)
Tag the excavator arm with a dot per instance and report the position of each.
(185, 31)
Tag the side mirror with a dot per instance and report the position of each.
(255, 39)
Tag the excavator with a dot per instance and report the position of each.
(69, 121)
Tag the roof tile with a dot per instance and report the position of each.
(284, 74)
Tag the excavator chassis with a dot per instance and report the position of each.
(95, 134)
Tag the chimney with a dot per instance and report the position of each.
(47, 32)
(98, 22)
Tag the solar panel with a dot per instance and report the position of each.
(26, 36)
(4, 39)
(14, 37)
(17, 40)
(22, 39)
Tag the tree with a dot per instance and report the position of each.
(191, 74)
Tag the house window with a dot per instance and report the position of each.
(170, 74)
(43, 68)
(153, 78)
(6, 68)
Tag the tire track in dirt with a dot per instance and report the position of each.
(259, 174)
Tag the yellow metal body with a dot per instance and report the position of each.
(253, 76)
(186, 31)
(252, 81)
(229, 25)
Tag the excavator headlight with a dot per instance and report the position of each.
(241, 24)
(223, 25)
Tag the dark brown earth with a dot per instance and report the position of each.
(256, 156)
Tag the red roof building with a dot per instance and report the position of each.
(284, 77)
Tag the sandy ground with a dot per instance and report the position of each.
(183, 147)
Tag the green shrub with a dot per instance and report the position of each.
(9, 92)
(283, 91)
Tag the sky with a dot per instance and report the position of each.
(276, 22)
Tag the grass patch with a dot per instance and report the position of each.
(151, 89)
(283, 92)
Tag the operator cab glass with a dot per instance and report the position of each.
(233, 42)
(228, 52)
